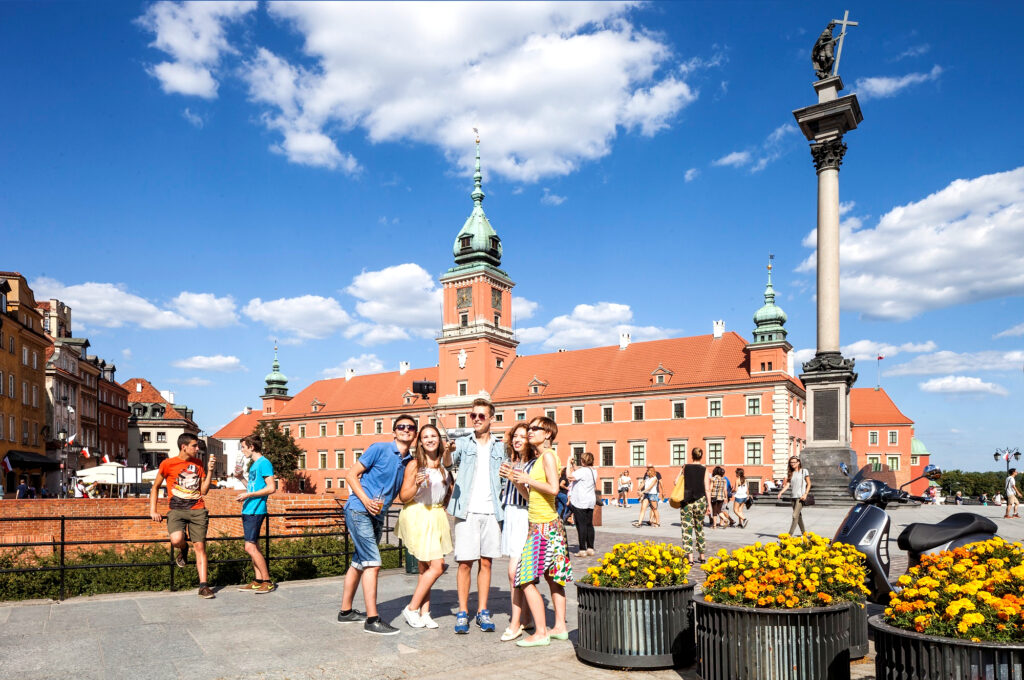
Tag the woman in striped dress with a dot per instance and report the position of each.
(546, 551)
(517, 521)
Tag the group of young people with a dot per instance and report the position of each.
(502, 503)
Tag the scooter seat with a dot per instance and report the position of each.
(919, 537)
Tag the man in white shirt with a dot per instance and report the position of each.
(1011, 495)
(477, 509)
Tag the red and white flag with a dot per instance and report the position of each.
(881, 356)
(7, 465)
(72, 439)
(105, 458)
(85, 451)
(1007, 457)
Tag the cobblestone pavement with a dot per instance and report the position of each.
(292, 633)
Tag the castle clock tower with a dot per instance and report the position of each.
(477, 343)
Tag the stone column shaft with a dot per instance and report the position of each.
(828, 260)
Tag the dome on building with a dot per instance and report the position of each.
(917, 448)
(277, 382)
(477, 241)
(769, 320)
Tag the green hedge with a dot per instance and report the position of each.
(46, 584)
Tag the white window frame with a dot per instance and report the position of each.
(577, 410)
(721, 410)
(719, 441)
(321, 455)
(679, 402)
(875, 461)
(378, 426)
(601, 447)
(520, 416)
(889, 460)
(339, 428)
(462, 388)
(642, 446)
(359, 427)
(339, 458)
(643, 411)
(872, 437)
(894, 437)
(747, 443)
(551, 413)
(302, 431)
(756, 402)
(672, 444)
(323, 429)
(611, 408)
(460, 421)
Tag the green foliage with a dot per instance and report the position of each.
(280, 448)
(972, 484)
(46, 584)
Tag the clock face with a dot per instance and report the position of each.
(463, 297)
(496, 298)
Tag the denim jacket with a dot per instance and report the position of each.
(465, 458)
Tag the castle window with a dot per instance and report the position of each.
(520, 415)
(550, 414)
(638, 411)
(302, 431)
(679, 409)
(460, 421)
(873, 438)
(535, 389)
(715, 453)
(497, 319)
(463, 388)
(893, 437)
(660, 379)
(500, 363)
(753, 453)
(714, 408)
(378, 427)
(359, 427)
(464, 242)
(577, 415)
(606, 414)
(464, 320)
(894, 463)
(753, 406)
(495, 243)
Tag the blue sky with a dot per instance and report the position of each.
(199, 180)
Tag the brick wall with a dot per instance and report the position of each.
(218, 502)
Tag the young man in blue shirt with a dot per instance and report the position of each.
(373, 483)
(254, 510)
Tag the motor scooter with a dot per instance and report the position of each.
(866, 528)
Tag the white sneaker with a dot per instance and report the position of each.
(590, 551)
(412, 618)
(427, 621)
(510, 634)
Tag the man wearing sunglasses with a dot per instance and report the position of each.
(477, 509)
(373, 483)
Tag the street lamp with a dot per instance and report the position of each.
(62, 436)
(1006, 454)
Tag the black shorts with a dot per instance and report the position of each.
(251, 527)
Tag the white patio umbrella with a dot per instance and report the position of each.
(101, 474)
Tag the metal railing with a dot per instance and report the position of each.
(339, 528)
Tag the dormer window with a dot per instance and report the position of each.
(464, 242)
(495, 243)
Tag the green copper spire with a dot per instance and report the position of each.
(477, 241)
(277, 383)
(770, 319)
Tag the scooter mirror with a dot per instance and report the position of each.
(845, 469)
(932, 472)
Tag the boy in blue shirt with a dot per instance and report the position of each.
(254, 510)
(373, 483)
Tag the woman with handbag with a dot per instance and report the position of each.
(696, 499)
(739, 498)
(798, 481)
(516, 526)
(582, 498)
(719, 496)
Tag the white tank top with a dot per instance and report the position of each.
(432, 492)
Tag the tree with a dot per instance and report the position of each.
(281, 449)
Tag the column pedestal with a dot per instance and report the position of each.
(828, 377)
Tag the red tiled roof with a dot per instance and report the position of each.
(43, 305)
(375, 392)
(699, 361)
(242, 426)
(149, 395)
(869, 406)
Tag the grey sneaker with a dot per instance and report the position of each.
(181, 557)
(206, 593)
(353, 616)
(379, 627)
(483, 619)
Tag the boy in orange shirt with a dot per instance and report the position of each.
(187, 482)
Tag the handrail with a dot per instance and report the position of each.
(63, 567)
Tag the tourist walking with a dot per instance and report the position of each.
(545, 554)
(477, 508)
(423, 522)
(373, 482)
(798, 481)
(562, 499)
(1010, 488)
(695, 503)
(187, 482)
(582, 499)
(719, 495)
(520, 456)
(740, 496)
(650, 495)
(625, 486)
(261, 483)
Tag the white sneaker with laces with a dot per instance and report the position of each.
(412, 618)
(427, 621)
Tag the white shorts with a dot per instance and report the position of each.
(477, 536)
(514, 531)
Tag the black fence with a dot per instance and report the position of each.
(337, 527)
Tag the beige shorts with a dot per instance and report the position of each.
(477, 536)
(195, 521)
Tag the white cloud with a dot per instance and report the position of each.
(955, 362)
(551, 199)
(550, 86)
(363, 365)
(398, 302)
(846, 206)
(881, 87)
(735, 159)
(914, 51)
(195, 382)
(868, 350)
(590, 326)
(523, 308)
(960, 245)
(108, 305)
(1012, 332)
(206, 309)
(697, 64)
(194, 119)
(307, 317)
(962, 384)
(126, 353)
(691, 174)
(192, 33)
(217, 362)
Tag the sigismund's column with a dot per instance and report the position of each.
(828, 376)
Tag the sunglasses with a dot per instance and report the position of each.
(478, 416)
(405, 428)
(536, 428)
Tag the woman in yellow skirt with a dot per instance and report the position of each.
(423, 522)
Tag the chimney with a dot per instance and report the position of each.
(624, 337)
(717, 328)
(248, 410)
(349, 373)
(167, 395)
(791, 363)
(403, 367)
(138, 387)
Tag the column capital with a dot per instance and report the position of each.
(828, 154)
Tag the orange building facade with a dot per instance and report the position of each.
(883, 437)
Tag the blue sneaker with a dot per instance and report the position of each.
(483, 619)
(462, 623)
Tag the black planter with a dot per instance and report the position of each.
(858, 631)
(906, 655)
(635, 628)
(744, 643)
